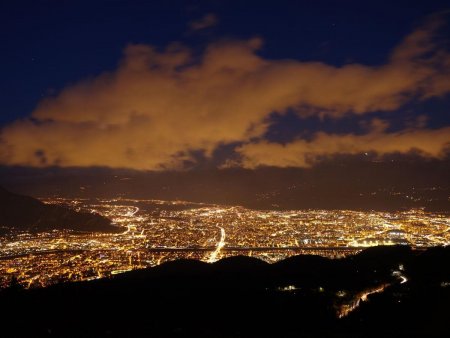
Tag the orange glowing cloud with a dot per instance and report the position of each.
(160, 106)
(302, 153)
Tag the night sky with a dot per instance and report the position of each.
(163, 85)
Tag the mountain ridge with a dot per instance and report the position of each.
(27, 213)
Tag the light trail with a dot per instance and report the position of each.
(398, 273)
(347, 308)
(129, 226)
(220, 245)
(132, 213)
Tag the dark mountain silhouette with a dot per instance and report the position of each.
(244, 297)
(27, 213)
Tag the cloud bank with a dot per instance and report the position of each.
(159, 107)
(301, 153)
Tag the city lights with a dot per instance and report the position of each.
(157, 231)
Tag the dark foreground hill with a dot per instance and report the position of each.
(27, 213)
(244, 297)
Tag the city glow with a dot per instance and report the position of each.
(158, 231)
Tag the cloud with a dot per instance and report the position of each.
(302, 153)
(159, 107)
(209, 20)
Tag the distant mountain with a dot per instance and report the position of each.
(402, 293)
(366, 185)
(27, 213)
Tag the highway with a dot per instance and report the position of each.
(219, 246)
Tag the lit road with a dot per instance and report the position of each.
(219, 246)
(345, 309)
(129, 226)
(399, 274)
(132, 213)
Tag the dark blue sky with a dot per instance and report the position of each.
(47, 45)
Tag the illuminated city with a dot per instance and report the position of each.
(255, 169)
(158, 231)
